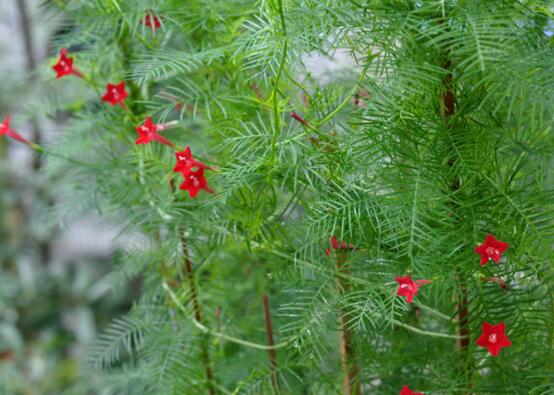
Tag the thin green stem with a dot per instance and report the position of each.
(426, 333)
(274, 92)
(348, 98)
(41, 150)
(220, 335)
(298, 85)
(434, 312)
(275, 100)
(282, 15)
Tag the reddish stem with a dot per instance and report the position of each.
(271, 343)
(351, 384)
(448, 110)
(197, 313)
(300, 119)
(77, 73)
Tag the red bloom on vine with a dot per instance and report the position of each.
(408, 287)
(6, 130)
(186, 162)
(337, 245)
(115, 94)
(148, 132)
(152, 20)
(194, 182)
(493, 338)
(491, 249)
(407, 391)
(65, 66)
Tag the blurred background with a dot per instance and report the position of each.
(55, 291)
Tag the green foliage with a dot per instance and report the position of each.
(413, 187)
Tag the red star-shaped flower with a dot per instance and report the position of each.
(186, 162)
(408, 288)
(493, 338)
(337, 245)
(194, 182)
(149, 132)
(152, 20)
(407, 391)
(115, 94)
(5, 130)
(491, 249)
(65, 66)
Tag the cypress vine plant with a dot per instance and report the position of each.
(387, 231)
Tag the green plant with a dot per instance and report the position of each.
(440, 134)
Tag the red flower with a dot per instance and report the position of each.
(193, 171)
(5, 130)
(407, 391)
(152, 20)
(115, 94)
(194, 182)
(491, 249)
(338, 245)
(65, 66)
(408, 288)
(493, 338)
(186, 162)
(149, 131)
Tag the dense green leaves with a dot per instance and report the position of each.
(381, 163)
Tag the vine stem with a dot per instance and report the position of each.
(448, 111)
(351, 382)
(274, 93)
(270, 342)
(434, 312)
(425, 333)
(202, 328)
(41, 150)
(197, 312)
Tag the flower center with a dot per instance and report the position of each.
(406, 286)
(195, 181)
(492, 251)
(115, 94)
(492, 338)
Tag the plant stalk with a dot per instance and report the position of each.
(351, 384)
(270, 343)
(274, 93)
(448, 110)
(220, 335)
(197, 314)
